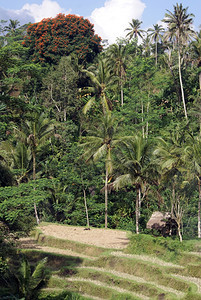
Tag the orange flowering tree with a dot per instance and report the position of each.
(52, 38)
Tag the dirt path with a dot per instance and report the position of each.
(106, 238)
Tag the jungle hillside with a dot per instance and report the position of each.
(100, 136)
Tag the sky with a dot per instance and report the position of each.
(110, 17)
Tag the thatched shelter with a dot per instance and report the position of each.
(163, 223)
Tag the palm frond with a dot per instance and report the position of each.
(122, 181)
(88, 105)
(38, 274)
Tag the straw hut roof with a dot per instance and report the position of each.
(158, 220)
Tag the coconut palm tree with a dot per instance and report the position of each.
(35, 133)
(12, 26)
(193, 160)
(134, 29)
(169, 159)
(196, 52)
(179, 31)
(146, 45)
(98, 144)
(156, 35)
(17, 157)
(133, 157)
(116, 62)
(100, 80)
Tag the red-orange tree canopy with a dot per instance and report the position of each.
(52, 38)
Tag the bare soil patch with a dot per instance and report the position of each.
(106, 238)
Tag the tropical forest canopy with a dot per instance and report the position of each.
(98, 135)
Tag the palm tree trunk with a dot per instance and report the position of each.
(64, 115)
(85, 200)
(142, 120)
(173, 199)
(34, 178)
(181, 85)
(122, 96)
(138, 199)
(122, 92)
(200, 82)
(199, 207)
(147, 125)
(156, 53)
(86, 209)
(36, 214)
(106, 195)
(34, 165)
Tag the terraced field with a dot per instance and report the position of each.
(111, 273)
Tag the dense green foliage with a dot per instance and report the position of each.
(135, 109)
(100, 136)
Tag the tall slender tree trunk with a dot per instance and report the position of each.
(200, 82)
(85, 200)
(142, 120)
(64, 114)
(86, 209)
(156, 53)
(179, 232)
(34, 165)
(138, 199)
(147, 125)
(122, 96)
(181, 85)
(34, 178)
(122, 92)
(106, 195)
(199, 206)
(173, 199)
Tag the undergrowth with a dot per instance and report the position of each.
(164, 248)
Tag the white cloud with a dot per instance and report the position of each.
(111, 20)
(47, 9)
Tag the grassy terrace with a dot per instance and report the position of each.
(149, 268)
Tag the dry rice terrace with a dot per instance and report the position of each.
(95, 264)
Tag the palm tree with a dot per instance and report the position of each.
(18, 157)
(30, 282)
(11, 28)
(100, 81)
(35, 133)
(116, 61)
(171, 165)
(196, 48)
(146, 45)
(193, 160)
(98, 144)
(134, 164)
(134, 29)
(169, 159)
(179, 30)
(156, 35)
(2, 107)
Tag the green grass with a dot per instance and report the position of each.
(142, 269)
(165, 248)
(60, 295)
(89, 288)
(113, 280)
